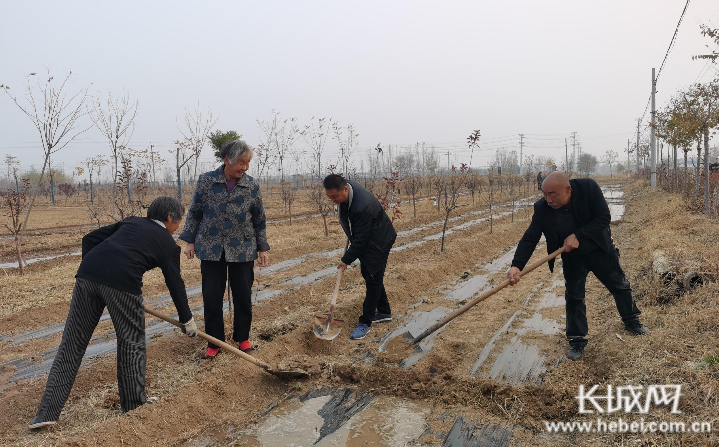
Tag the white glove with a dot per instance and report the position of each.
(190, 328)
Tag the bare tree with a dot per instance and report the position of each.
(101, 162)
(315, 134)
(12, 164)
(56, 117)
(405, 162)
(348, 144)
(15, 204)
(413, 184)
(183, 154)
(93, 163)
(196, 132)
(116, 121)
(390, 199)
(474, 185)
(529, 164)
(281, 136)
(438, 186)
(277, 142)
(323, 205)
(156, 162)
(452, 186)
(121, 207)
(610, 158)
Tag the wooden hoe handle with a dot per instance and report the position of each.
(212, 339)
(482, 297)
(337, 289)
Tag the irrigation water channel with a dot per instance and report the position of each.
(345, 417)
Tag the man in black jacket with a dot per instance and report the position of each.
(114, 258)
(372, 235)
(574, 214)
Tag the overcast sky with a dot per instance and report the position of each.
(400, 71)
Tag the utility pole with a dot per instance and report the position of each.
(17, 185)
(639, 121)
(152, 159)
(574, 150)
(652, 141)
(579, 160)
(566, 157)
(521, 147)
(629, 169)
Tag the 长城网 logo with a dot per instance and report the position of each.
(629, 398)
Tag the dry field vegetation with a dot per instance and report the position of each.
(203, 404)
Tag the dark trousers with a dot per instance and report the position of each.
(128, 317)
(375, 297)
(606, 268)
(214, 277)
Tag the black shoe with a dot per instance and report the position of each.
(381, 318)
(575, 352)
(636, 328)
(38, 423)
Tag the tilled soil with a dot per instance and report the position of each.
(216, 403)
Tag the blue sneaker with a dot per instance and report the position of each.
(360, 332)
(381, 318)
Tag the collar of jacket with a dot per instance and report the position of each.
(219, 177)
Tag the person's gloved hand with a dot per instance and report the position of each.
(190, 328)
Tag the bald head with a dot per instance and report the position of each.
(557, 190)
(557, 178)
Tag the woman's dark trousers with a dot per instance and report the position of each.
(214, 277)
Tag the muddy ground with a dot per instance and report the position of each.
(491, 377)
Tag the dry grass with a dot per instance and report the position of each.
(683, 329)
(206, 402)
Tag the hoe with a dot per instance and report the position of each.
(285, 374)
(327, 328)
(485, 295)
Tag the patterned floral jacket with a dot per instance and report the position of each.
(219, 219)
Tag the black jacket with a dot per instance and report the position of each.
(369, 228)
(119, 254)
(591, 214)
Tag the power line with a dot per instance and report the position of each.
(669, 49)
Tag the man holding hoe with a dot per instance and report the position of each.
(372, 235)
(575, 214)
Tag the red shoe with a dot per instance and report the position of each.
(245, 346)
(211, 353)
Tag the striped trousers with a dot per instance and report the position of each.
(128, 317)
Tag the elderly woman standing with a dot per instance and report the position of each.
(226, 229)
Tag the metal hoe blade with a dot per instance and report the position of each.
(326, 329)
(288, 373)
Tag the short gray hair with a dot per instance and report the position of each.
(163, 206)
(235, 149)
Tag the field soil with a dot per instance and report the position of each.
(492, 376)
